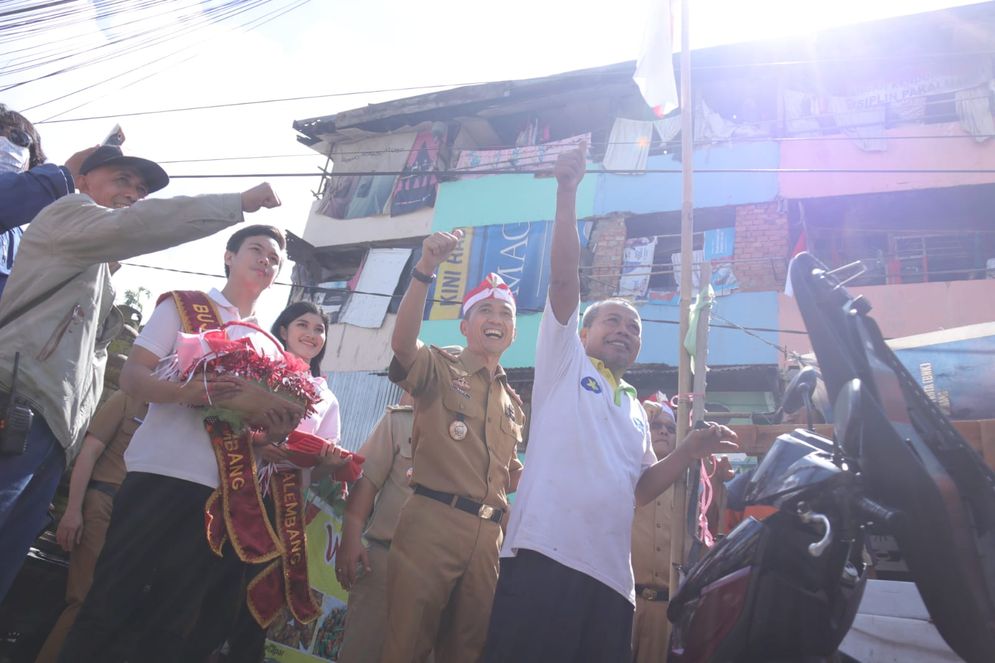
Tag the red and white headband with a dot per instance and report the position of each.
(492, 287)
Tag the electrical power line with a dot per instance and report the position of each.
(255, 102)
(247, 26)
(904, 101)
(316, 288)
(647, 171)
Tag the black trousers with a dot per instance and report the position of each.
(156, 555)
(545, 612)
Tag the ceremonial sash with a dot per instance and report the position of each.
(285, 581)
(235, 510)
(197, 310)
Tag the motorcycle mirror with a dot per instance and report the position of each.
(800, 390)
(846, 416)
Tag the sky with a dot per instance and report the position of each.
(330, 47)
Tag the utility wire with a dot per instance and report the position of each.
(248, 26)
(648, 171)
(256, 102)
(903, 103)
(316, 288)
(407, 150)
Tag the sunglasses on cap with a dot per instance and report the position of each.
(18, 137)
(659, 425)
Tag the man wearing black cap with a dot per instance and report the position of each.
(57, 318)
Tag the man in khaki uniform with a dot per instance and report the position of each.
(97, 474)
(443, 561)
(362, 570)
(651, 551)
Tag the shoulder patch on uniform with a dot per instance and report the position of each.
(514, 395)
(450, 352)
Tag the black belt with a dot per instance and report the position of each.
(648, 593)
(485, 511)
(104, 487)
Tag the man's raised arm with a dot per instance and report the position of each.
(404, 342)
(564, 259)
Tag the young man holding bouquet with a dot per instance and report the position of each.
(157, 534)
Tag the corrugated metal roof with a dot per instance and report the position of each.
(363, 397)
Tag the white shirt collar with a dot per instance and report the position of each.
(223, 302)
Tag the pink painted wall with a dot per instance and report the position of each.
(946, 147)
(906, 309)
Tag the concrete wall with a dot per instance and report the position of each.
(323, 230)
(661, 192)
(945, 147)
(352, 348)
(906, 309)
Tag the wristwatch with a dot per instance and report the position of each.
(424, 278)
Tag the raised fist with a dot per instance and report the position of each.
(437, 248)
(570, 167)
(259, 196)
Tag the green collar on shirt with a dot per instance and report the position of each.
(618, 386)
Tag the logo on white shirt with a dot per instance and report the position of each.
(590, 384)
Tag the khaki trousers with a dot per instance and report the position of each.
(441, 573)
(650, 632)
(96, 517)
(366, 615)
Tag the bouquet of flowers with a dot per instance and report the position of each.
(269, 377)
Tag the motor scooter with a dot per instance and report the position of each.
(787, 587)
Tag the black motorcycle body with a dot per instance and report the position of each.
(787, 588)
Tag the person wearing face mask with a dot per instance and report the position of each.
(27, 183)
(57, 318)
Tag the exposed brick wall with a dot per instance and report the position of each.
(761, 246)
(607, 244)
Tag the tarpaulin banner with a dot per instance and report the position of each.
(517, 252)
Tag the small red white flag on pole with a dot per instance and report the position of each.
(655, 66)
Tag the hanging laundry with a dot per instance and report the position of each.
(376, 284)
(417, 187)
(801, 111)
(697, 257)
(865, 127)
(668, 128)
(637, 266)
(529, 158)
(628, 145)
(974, 111)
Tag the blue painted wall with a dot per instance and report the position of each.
(727, 347)
(661, 192)
(499, 199)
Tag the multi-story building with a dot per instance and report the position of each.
(871, 142)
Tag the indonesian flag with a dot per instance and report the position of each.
(655, 66)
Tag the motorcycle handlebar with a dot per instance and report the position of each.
(876, 512)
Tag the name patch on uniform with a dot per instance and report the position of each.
(461, 386)
(640, 426)
(591, 384)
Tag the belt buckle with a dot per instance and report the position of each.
(486, 511)
(648, 593)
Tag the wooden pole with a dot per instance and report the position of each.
(677, 540)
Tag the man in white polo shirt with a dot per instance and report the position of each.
(566, 590)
